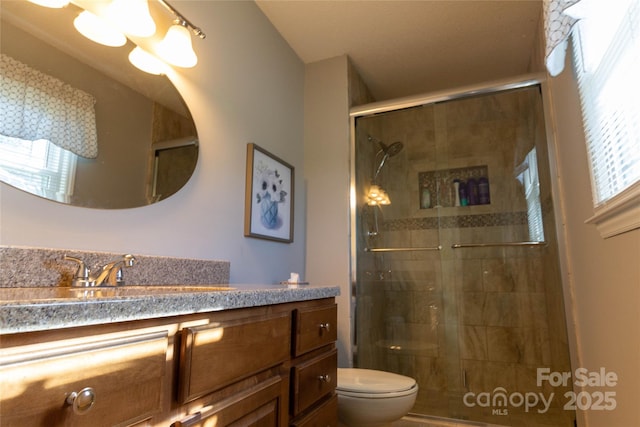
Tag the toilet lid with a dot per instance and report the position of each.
(372, 381)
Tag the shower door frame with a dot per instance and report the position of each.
(516, 82)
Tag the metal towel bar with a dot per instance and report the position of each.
(496, 244)
(458, 246)
(433, 248)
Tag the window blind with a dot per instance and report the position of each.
(607, 59)
(38, 167)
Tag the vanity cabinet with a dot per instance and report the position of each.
(268, 366)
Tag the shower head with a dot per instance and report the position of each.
(392, 149)
(387, 151)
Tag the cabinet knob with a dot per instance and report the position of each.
(326, 378)
(325, 326)
(82, 401)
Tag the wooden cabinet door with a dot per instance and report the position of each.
(259, 406)
(314, 328)
(218, 354)
(313, 380)
(325, 415)
(119, 380)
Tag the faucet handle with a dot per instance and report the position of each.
(81, 278)
(128, 261)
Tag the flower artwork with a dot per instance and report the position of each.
(269, 196)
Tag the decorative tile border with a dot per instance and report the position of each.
(457, 221)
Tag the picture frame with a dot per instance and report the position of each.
(269, 196)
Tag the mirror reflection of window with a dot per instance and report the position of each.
(527, 174)
(39, 166)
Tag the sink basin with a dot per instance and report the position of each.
(44, 293)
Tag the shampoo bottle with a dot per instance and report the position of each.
(484, 198)
(464, 201)
(425, 197)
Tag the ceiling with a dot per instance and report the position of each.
(402, 48)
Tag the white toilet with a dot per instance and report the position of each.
(368, 398)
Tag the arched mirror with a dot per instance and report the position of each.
(147, 145)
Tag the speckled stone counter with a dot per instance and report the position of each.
(35, 309)
(35, 291)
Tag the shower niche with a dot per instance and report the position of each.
(438, 189)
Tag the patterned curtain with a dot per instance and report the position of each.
(34, 105)
(558, 23)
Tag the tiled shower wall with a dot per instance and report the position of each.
(460, 320)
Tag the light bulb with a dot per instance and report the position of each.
(132, 17)
(374, 191)
(98, 30)
(57, 4)
(176, 47)
(146, 62)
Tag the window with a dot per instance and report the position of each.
(38, 167)
(606, 45)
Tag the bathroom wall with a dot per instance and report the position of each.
(465, 319)
(326, 143)
(247, 87)
(603, 275)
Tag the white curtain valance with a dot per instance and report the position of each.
(34, 105)
(558, 24)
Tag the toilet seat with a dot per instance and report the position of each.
(373, 384)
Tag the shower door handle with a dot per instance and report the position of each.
(496, 244)
(430, 248)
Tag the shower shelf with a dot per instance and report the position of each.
(433, 248)
(497, 244)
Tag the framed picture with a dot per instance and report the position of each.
(268, 211)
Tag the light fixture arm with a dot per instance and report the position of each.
(183, 21)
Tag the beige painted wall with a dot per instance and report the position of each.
(603, 275)
(247, 87)
(326, 144)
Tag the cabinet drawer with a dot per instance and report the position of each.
(313, 379)
(125, 374)
(258, 406)
(326, 415)
(215, 355)
(314, 328)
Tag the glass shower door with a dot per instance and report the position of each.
(461, 289)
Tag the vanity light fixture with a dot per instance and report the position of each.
(377, 196)
(110, 20)
(98, 30)
(147, 62)
(176, 47)
(132, 17)
(56, 4)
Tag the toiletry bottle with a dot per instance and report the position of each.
(456, 192)
(472, 192)
(425, 197)
(484, 197)
(464, 201)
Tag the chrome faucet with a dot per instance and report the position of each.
(109, 274)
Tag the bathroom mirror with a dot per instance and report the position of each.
(146, 138)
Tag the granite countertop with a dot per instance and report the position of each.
(35, 309)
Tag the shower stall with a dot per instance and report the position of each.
(455, 266)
